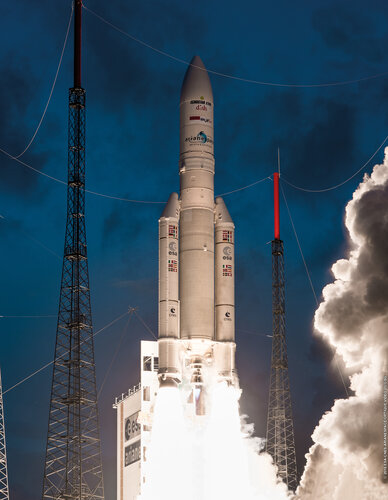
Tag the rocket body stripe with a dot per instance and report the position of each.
(276, 205)
(77, 43)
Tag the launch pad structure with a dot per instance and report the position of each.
(134, 423)
(280, 429)
(73, 469)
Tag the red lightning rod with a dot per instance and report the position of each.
(77, 43)
(276, 204)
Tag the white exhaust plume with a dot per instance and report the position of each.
(346, 461)
(167, 466)
(206, 458)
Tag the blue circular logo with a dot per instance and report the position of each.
(202, 137)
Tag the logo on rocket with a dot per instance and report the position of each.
(172, 246)
(201, 137)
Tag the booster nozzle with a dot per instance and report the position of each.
(166, 381)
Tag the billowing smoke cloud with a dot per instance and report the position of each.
(346, 461)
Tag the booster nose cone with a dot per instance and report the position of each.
(196, 84)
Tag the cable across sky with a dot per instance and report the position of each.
(341, 183)
(111, 197)
(153, 202)
(52, 87)
(130, 200)
(233, 77)
(129, 313)
(51, 362)
(311, 284)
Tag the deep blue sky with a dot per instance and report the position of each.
(324, 134)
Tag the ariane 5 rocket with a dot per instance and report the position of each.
(196, 253)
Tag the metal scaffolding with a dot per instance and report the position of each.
(280, 431)
(4, 492)
(73, 467)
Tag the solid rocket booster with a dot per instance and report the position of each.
(196, 249)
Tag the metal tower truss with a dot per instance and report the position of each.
(280, 432)
(4, 492)
(73, 457)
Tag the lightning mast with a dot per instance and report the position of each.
(4, 492)
(73, 469)
(280, 431)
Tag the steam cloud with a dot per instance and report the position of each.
(346, 460)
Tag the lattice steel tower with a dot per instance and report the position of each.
(73, 457)
(4, 492)
(280, 430)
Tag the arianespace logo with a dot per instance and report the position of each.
(200, 138)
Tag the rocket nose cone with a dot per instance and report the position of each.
(196, 84)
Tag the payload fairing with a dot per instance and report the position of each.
(196, 255)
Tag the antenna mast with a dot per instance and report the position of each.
(73, 469)
(280, 430)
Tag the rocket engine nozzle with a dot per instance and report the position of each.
(196, 377)
(198, 392)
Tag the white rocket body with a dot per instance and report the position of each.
(196, 251)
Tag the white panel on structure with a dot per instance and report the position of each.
(134, 422)
(128, 444)
(150, 384)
